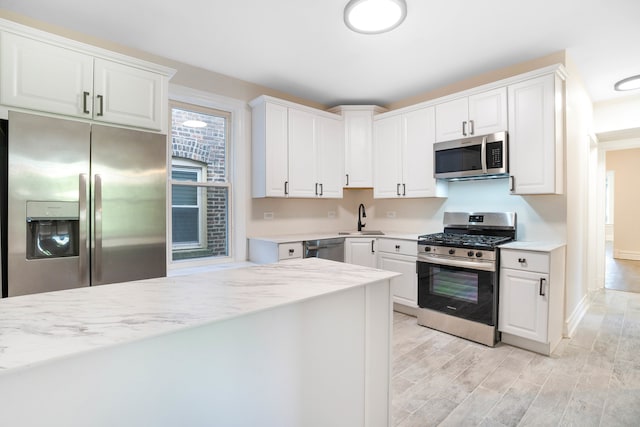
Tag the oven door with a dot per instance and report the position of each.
(459, 291)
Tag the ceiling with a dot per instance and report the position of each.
(303, 48)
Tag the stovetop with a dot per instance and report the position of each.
(463, 240)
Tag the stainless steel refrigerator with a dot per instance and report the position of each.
(86, 204)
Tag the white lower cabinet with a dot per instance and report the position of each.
(400, 256)
(360, 251)
(267, 251)
(531, 302)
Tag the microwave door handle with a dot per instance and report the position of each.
(483, 154)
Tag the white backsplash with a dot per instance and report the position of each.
(539, 217)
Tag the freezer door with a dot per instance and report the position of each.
(128, 220)
(47, 204)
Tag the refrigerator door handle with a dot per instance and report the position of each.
(82, 208)
(97, 224)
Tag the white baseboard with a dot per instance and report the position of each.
(630, 255)
(573, 321)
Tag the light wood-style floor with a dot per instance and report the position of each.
(621, 274)
(592, 379)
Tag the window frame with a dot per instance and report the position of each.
(186, 165)
(202, 104)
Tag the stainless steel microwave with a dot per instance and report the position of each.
(476, 157)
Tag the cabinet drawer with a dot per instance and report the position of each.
(524, 260)
(289, 251)
(398, 246)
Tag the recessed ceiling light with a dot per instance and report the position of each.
(630, 83)
(374, 16)
(194, 124)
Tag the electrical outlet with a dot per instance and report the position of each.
(268, 215)
(391, 214)
(331, 214)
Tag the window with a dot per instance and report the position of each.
(200, 187)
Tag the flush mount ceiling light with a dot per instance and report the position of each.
(374, 16)
(194, 124)
(630, 83)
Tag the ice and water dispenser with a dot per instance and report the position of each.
(52, 229)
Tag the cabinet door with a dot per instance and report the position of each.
(488, 112)
(387, 157)
(404, 288)
(358, 148)
(417, 153)
(127, 95)
(522, 310)
(330, 159)
(39, 76)
(360, 251)
(270, 160)
(532, 136)
(450, 117)
(302, 152)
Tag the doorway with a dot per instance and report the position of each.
(622, 205)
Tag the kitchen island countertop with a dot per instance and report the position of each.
(41, 327)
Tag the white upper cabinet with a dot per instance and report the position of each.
(478, 114)
(60, 79)
(358, 141)
(330, 157)
(269, 150)
(536, 136)
(127, 95)
(403, 156)
(302, 150)
(43, 77)
(297, 151)
(387, 157)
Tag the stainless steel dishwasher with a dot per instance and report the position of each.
(332, 249)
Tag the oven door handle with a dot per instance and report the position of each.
(471, 265)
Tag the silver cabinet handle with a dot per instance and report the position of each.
(464, 128)
(291, 251)
(512, 183)
(321, 189)
(286, 188)
(84, 102)
(316, 188)
(471, 130)
(397, 247)
(372, 249)
(542, 281)
(97, 224)
(101, 104)
(522, 260)
(82, 214)
(397, 189)
(404, 189)
(347, 180)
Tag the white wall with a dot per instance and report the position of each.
(579, 127)
(617, 114)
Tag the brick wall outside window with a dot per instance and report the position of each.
(205, 145)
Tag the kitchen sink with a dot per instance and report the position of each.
(362, 233)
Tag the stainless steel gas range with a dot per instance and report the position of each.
(458, 274)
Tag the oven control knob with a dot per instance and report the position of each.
(470, 253)
(478, 254)
(452, 251)
(427, 249)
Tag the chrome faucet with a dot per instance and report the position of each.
(364, 215)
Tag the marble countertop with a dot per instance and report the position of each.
(41, 327)
(291, 238)
(539, 246)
